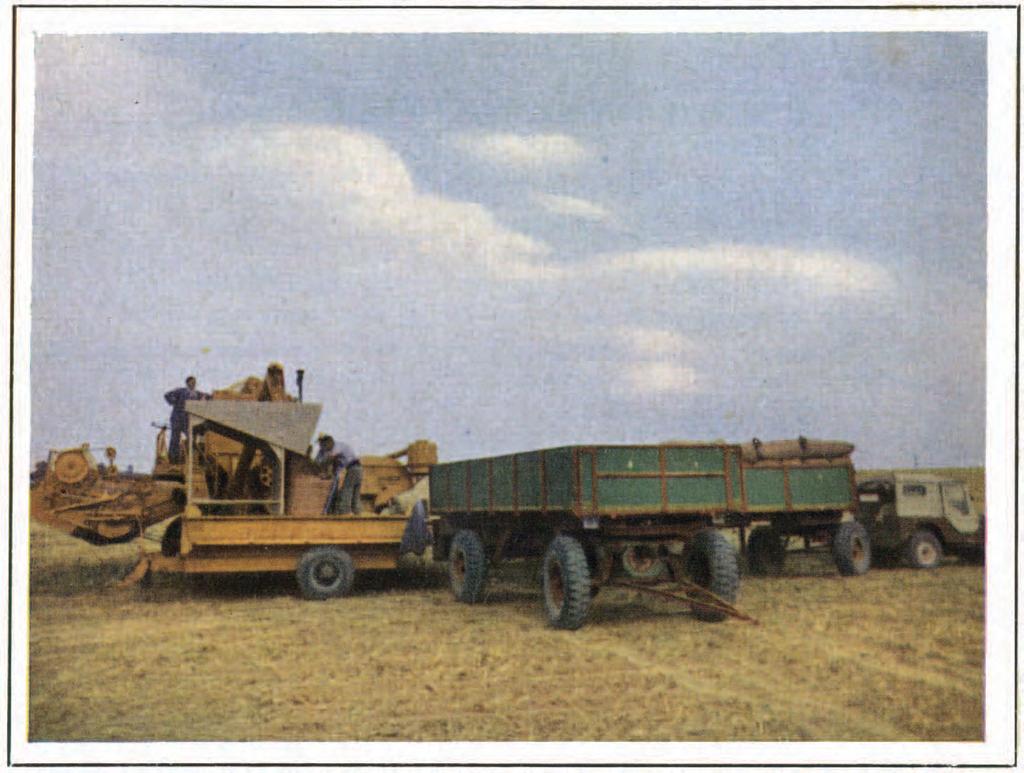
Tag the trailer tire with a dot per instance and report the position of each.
(325, 572)
(851, 549)
(766, 551)
(170, 542)
(566, 583)
(924, 551)
(467, 567)
(639, 563)
(711, 563)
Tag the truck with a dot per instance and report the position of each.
(275, 521)
(920, 517)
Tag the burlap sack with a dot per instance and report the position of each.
(799, 448)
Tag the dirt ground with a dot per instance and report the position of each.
(894, 655)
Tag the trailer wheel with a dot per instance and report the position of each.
(851, 549)
(170, 542)
(711, 563)
(924, 551)
(766, 551)
(325, 573)
(467, 567)
(641, 562)
(566, 583)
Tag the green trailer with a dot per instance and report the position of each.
(594, 513)
(644, 514)
(804, 490)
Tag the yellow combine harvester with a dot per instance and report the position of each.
(275, 522)
(94, 502)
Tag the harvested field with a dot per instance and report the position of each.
(894, 655)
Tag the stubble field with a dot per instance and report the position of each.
(894, 655)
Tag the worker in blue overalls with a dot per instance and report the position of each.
(179, 419)
(347, 472)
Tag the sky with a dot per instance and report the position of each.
(508, 242)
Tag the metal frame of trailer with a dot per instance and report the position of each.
(637, 511)
(797, 497)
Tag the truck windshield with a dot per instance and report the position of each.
(954, 497)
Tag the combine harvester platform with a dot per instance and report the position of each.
(96, 503)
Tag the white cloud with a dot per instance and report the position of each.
(524, 151)
(831, 273)
(362, 187)
(652, 362)
(572, 207)
(643, 379)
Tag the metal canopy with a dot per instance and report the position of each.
(289, 425)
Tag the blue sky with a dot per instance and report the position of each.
(504, 242)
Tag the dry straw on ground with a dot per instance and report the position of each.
(894, 655)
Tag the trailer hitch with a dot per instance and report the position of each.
(686, 592)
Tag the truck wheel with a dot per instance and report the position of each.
(711, 563)
(851, 549)
(467, 567)
(325, 573)
(170, 542)
(766, 551)
(924, 551)
(566, 582)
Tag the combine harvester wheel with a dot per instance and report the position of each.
(325, 573)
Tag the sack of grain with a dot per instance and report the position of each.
(800, 448)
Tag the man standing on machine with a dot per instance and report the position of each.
(176, 398)
(344, 465)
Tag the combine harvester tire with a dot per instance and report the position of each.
(170, 542)
(325, 573)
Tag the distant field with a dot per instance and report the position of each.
(894, 655)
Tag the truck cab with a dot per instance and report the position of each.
(920, 517)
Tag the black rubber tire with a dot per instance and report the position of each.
(766, 552)
(712, 564)
(170, 542)
(467, 567)
(565, 579)
(923, 551)
(851, 549)
(325, 572)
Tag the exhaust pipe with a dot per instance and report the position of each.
(299, 374)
